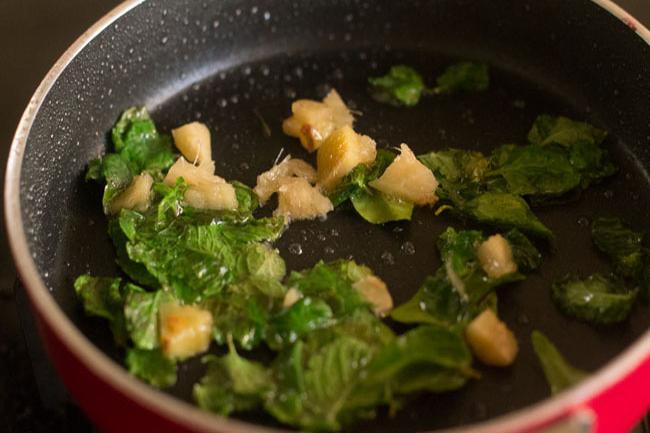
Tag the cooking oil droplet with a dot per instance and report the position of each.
(608, 194)
(329, 250)
(295, 249)
(583, 221)
(408, 248)
(388, 258)
(334, 233)
(164, 40)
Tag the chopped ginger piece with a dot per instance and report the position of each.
(375, 291)
(204, 190)
(298, 200)
(495, 256)
(312, 121)
(491, 340)
(185, 330)
(269, 182)
(193, 140)
(408, 179)
(136, 196)
(340, 153)
(292, 296)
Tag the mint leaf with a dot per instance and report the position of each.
(402, 85)
(463, 77)
(595, 299)
(560, 375)
(152, 367)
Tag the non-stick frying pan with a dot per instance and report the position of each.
(232, 64)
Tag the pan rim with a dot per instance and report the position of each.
(179, 411)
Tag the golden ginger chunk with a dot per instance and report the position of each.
(340, 153)
(204, 190)
(491, 340)
(312, 121)
(136, 196)
(298, 200)
(292, 296)
(193, 140)
(269, 182)
(375, 291)
(408, 179)
(185, 330)
(495, 256)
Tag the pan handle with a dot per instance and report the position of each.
(619, 406)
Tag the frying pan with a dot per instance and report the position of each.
(233, 63)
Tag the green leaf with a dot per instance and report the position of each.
(458, 249)
(103, 297)
(264, 262)
(136, 271)
(621, 244)
(301, 318)
(463, 77)
(152, 367)
(138, 142)
(402, 85)
(118, 176)
(177, 252)
(319, 383)
(583, 142)
(170, 205)
(535, 170)
(426, 358)
(563, 131)
(456, 165)
(505, 210)
(460, 289)
(232, 383)
(527, 257)
(559, 374)
(330, 282)
(437, 302)
(95, 171)
(141, 312)
(595, 299)
(357, 180)
(243, 312)
(378, 208)
(246, 198)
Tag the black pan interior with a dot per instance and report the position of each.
(230, 63)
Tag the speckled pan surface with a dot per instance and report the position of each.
(220, 62)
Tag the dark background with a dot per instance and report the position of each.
(33, 34)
